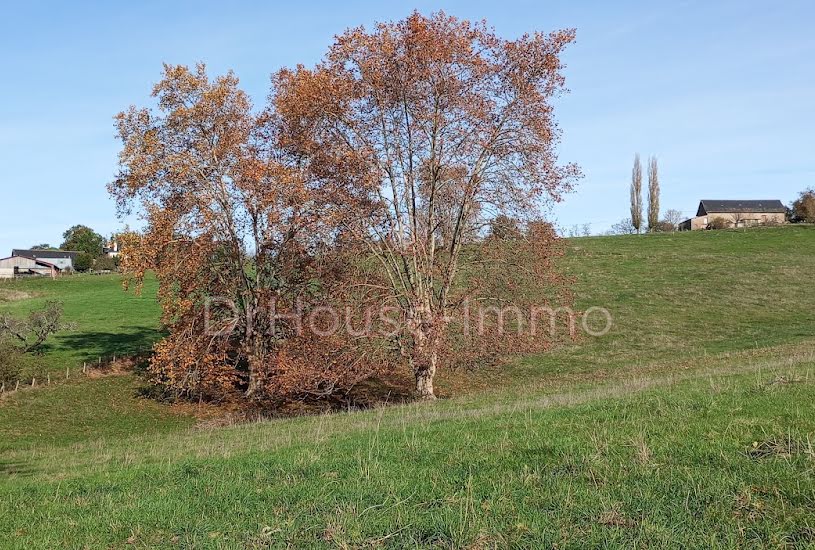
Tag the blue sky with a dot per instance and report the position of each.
(721, 92)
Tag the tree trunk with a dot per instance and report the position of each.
(424, 371)
(425, 352)
(254, 386)
(257, 357)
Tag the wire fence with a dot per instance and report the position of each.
(88, 369)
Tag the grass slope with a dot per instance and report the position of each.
(677, 296)
(716, 461)
(108, 321)
(691, 423)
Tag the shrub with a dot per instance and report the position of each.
(106, 263)
(664, 227)
(718, 223)
(10, 366)
(623, 227)
(18, 366)
(31, 333)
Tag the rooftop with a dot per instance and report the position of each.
(726, 206)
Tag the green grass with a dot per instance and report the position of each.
(108, 321)
(677, 297)
(692, 423)
(712, 461)
(100, 409)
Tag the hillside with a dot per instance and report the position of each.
(691, 422)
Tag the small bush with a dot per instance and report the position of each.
(31, 333)
(18, 366)
(664, 227)
(10, 366)
(718, 223)
(106, 263)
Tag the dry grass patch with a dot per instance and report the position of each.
(642, 453)
(615, 518)
(13, 295)
(782, 447)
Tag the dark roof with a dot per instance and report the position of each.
(769, 206)
(45, 254)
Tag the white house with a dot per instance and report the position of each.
(112, 249)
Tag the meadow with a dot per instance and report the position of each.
(691, 423)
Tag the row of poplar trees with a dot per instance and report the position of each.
(653, 195)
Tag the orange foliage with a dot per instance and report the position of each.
(364, 184)
(439, 126)
(231, 218)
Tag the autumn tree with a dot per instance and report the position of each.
(441, 126)
(636, 194)
(803, 208)
(653, 195)
(232, 232)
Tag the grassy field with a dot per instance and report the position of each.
(108, 321)
(691, 423)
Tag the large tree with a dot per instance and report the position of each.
(82, 238)
(229, 217)
(442, 126)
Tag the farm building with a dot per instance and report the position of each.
(736, 213)
(63, 259)
(20, 266)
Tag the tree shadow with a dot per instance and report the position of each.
(386, 389)
(123, 343)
